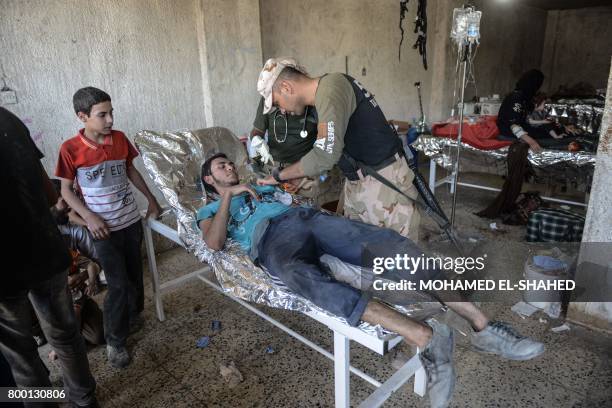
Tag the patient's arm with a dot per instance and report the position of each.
(214, 230)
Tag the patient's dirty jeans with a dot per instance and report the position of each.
(120, 258)
(53, 305)
(294, 241)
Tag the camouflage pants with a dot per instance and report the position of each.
(368, 200)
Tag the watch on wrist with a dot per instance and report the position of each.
(276, 174)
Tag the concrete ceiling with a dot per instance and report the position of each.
(564, 4)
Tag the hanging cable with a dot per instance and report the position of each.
(420, 28)
(403, 11)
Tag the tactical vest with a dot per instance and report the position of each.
(369, 137)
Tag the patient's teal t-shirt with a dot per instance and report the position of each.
(246, 213)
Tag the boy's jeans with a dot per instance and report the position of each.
(53, 305)
(119, 256)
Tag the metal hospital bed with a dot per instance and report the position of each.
(173, 160)
(573, 166)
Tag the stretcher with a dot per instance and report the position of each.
(173, 161)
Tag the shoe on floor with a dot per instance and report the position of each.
(118, 357)
(501, 339)
(437, 359)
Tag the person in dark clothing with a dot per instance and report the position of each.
(40, 276)
(513, 123)
(518, 168)
(513, 117)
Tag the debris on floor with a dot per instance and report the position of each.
(269, 350)
(203, 342)
(562, 328)
(215, 326)
(230, 374)
(524, 309)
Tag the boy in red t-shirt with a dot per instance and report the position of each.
(99, 161)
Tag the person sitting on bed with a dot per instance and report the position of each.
(515, 109)
(288, 241)
(539, 118)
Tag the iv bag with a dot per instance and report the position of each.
(466, 26)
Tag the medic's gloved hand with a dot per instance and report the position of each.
(260, 148)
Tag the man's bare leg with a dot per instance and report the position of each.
(464, 308)
(471, 313)
(413, 332)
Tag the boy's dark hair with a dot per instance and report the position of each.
(87, 97)
(206, 171)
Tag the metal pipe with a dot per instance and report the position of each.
(456, 169)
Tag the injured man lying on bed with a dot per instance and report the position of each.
(288, 241)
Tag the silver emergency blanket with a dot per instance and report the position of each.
(567, 167)
(441, 149)
(586, 114)
(174, 160)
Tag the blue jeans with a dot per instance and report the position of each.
(294, 241)
(119, 256)
(53, 305)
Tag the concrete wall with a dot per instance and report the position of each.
(598, 225)
(442, 56)
(232, 46)
(144, 53)
(512, 38)
(321, 33)
(167, 65)
(578, 46)
(512, 42)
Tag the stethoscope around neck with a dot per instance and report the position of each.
(303, 132)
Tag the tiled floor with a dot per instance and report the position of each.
(169, 371)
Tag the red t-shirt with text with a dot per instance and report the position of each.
(100, 171)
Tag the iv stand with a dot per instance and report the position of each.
(456, 167)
